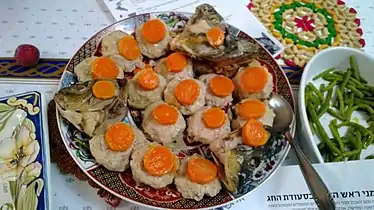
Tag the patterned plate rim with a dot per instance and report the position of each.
(86, 171)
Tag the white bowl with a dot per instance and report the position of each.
(337, 57)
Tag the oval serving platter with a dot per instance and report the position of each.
(121, 184)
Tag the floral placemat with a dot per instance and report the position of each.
(306, 27)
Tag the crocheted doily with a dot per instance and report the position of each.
(308, 26)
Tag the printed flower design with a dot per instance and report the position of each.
(17, 153)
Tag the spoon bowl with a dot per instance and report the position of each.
(283, 120)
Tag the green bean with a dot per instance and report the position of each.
(355, 91)
(371, 118)
(321, 132)
(323, 73)
(345, 80)
(355, 82)
(360, 101)
(311, 125)
(332, 77)
(321, 146)
(358, 155)
(365, 107)
(336, 135)
(322, 88)
(316, 91)
(331, 85)
(361, 128)
(341, 101)
(349, 109)
(315, 100)
(346, 154)
(358, 138)
(334, 114)
(355, 72)
(352, 141)
(362, 80)
(307, 94)
(345, 123)
(326, 104)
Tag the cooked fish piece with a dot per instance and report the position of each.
(153, 165)
(218, 90)
(153, 37)
(163, 123)
(113, 149)
(188, 95)
(197, 177)
(208, 125)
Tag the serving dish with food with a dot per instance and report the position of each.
(173, 114)
(336, 105)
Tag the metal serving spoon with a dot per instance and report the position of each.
(283, 119)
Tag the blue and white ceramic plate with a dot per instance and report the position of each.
(24, 153)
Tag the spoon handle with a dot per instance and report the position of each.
(316, 186)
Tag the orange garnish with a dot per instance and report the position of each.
(128, 47)
(254, 79)
(176, 62)
(119, 136)
(159, 160)
(201, 170)
(214, 117)
(104, 89)
(221, 86)
(254, 133)
(215, 36)
(187, 91)
(104, 68)
(251, 109)
(153, 31)
(146, 66)
(165, 114)
(148, 79)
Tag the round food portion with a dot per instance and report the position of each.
(208, 125)
(215, 36)
(163, 123)
(123, 49)
(253, 81)
(153, 38)
(146, 158)
(253, 109)
(203, 171)
(145, 88)
(176, 65)
(104, 89)
(97, 67)
(218, 89)
(111, 159)
(254, 133)
(188, 95)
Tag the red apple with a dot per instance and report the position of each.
(27, 55)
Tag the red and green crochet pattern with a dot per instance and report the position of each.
(308, 26)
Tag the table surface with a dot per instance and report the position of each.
(58, 29)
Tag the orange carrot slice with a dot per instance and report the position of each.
(221, 86)
(159, 160)
(214, 117)
(104, 89)
(165, 114)
(254, 133)
(176, 62)
(254, 79)
(153, 31)
(251, 109)
(148, 79)
(104, 68)
(187, 91)
(215, 36)
(201, 170)
(128, 48)
(119, 137)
